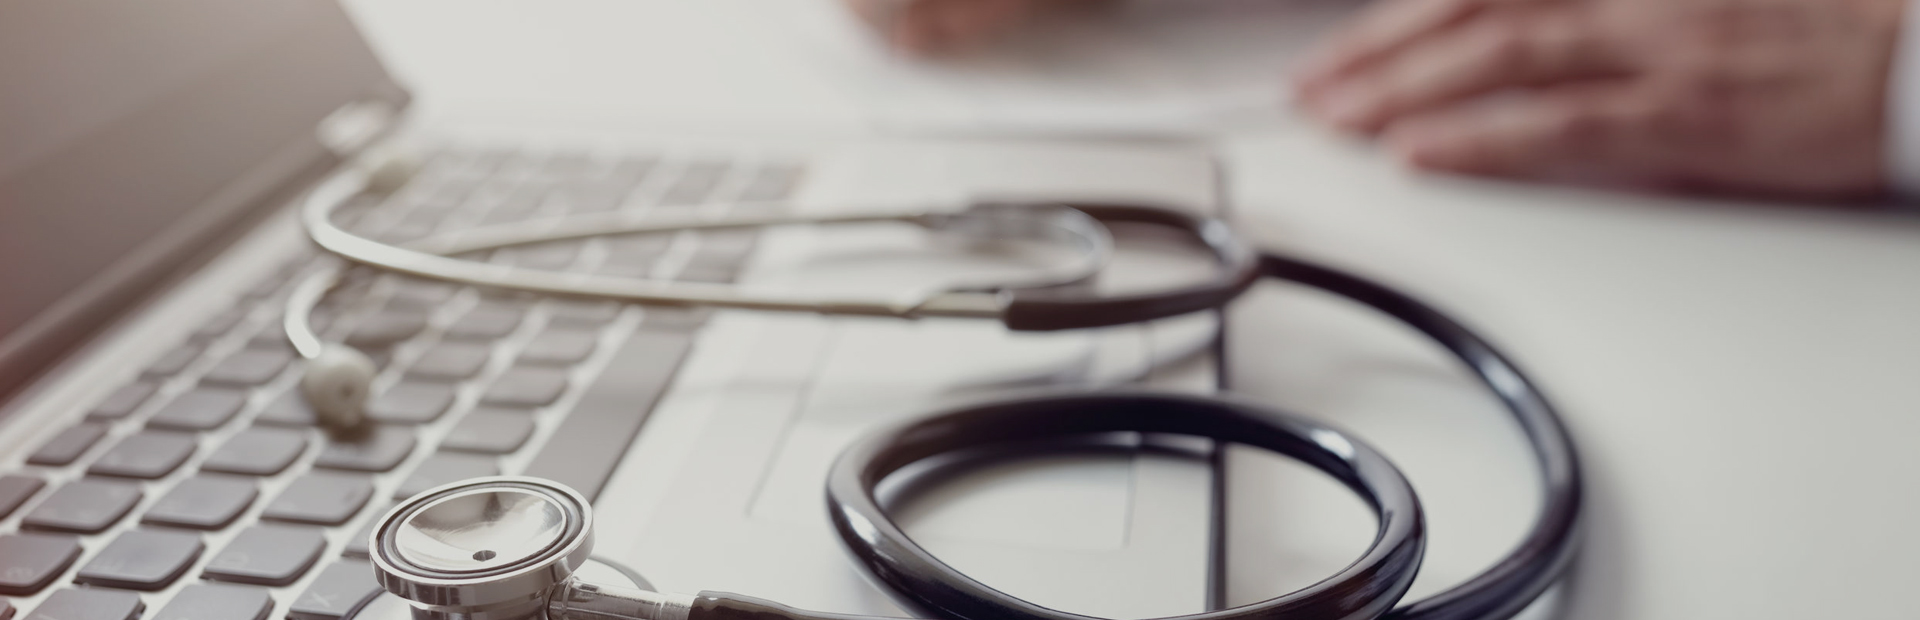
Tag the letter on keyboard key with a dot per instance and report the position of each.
(67, 446)
(441, 469)
(257, 451)
(142, 560)
(85, 506)
(204, 502)
(489, 430)
(320, 498)
(89, 604)
(146, 455)
(451, 361)
(123, 401)
(527, 386)
(411, 403)
(341, 586)
(268, 555)
(249, 367)
(28, 562)
(15, 490)
(381, 450)
(203, 408)
(216, 601)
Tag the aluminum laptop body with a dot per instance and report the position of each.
(156, 464)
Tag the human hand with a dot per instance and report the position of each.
(1764, 96)
(932, 27)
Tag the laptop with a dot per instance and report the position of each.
(156, 462)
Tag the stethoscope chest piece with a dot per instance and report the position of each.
(482, 549)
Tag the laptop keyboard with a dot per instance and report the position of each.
(200, 488)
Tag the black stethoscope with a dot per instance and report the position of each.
(507, 548)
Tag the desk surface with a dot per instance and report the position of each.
(1744, 379)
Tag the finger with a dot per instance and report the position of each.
(1490, 54)
(1382, 30)
(961, 23)
(1591, 130)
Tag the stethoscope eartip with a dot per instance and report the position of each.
(337, 383)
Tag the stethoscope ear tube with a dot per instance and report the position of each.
(919, 581)
(1238, 269)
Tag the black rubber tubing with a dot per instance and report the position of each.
(1367, 589)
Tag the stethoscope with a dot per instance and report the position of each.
(508, 548)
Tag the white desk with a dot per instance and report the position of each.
(1744, 381)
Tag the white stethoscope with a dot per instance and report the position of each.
(508, 548)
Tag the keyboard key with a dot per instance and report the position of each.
(728, 247)
(173, 361)
(696, 272)
(585, 448)
(123, 401)
(6, 610)
(560, 347)
(550, 256)
(67, 446)
(422, 293)
(85, 506)
(631, 170)
(335, 592)
(268, 555)
(89, 604)
(203, 503)
(321, 498)
(15, 490)
(217, 601)
(290, 409)
(203, 408)
(258, 451)
(451, 361)
(142, 560)
(146, 455)
(490, 430)
(273, 339)
(661, 318)
(527, 386)
(695, 184)
(411, 403)
(487, 321)
(440, 469)
(218, 326)
(772, 183)
(28, 562)
(387, 327)
(357, 544)
(249, 367)
(380, 450)
(578, 313)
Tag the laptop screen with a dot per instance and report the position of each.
(134, 132)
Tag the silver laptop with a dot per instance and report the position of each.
(154, 463)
